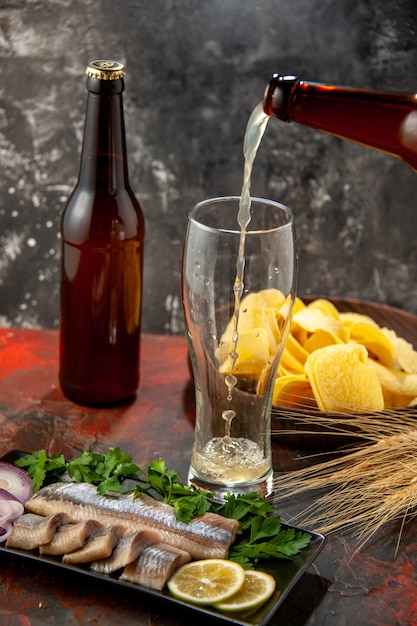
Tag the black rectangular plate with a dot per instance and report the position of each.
(286, 574)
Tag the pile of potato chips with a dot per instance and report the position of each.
(334, 361)
(262, 316)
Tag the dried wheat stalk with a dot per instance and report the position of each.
(368, 485)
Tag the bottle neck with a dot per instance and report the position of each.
(104, 156)
(385, 121)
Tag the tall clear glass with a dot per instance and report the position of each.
(238, 293)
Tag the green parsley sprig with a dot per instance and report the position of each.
(187, 501)
(267, 539)
(261, 533)
(107, 471)
(263, 536)
(43, 469)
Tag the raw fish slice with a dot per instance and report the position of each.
(207, 536)
(155, 565)
(98, 547)
(31, 531)
(71, 537)
(127, 550)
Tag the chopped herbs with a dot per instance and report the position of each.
(262, 534)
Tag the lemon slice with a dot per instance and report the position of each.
(207, 581)
(257, 588)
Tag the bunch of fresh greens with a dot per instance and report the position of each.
(262, 535)
(107, 471)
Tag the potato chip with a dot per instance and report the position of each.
(325, 306)
(298, 305)
(374, 340)
(313, 319)
(259, 334)
(401, 383)
(320, 339)
(351, 317)
(284, 312)
(253, 354)
(394, 401)
(270, 323)
(296, 349)
(289, 364)
(293, 391)
(405, 354)
(271, 299)
(309, 320)
(264, 298)
(319, 326)
(342, 379)
(338, 361)
(251, 318)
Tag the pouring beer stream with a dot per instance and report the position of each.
(382, 120)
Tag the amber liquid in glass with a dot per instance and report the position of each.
(102, 257)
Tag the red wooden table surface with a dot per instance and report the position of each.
(372, 587)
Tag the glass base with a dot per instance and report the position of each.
(262, 485)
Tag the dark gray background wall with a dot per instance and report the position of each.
(196, 69)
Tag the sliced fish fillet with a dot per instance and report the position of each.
(127, 550)
(98, 547)
(207, 536)
(155, 565)
(71, 537)
(31, 531)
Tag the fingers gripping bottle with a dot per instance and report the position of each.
(102, 233)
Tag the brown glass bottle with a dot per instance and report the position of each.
(102, 256)
(383, 120)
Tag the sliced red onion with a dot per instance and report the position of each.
(6, 495)
(10, 510)
(16, 481)
(15, 490)
(5, 531)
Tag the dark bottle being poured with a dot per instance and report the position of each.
(383, 120)
(102, 256)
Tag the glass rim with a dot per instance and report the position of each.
(227, 200)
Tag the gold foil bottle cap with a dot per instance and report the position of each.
(105, 70)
